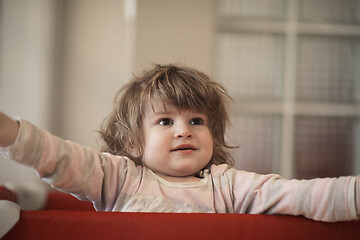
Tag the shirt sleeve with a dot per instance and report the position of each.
(327, 199)
(69, 167)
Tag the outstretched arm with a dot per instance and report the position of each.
(322, 199)
(81, 171)
(8, 130)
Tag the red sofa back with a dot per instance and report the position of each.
(74, 219)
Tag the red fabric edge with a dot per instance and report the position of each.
(104, 225)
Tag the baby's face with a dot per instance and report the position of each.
(176, 143)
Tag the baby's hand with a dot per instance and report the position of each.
(8, 130)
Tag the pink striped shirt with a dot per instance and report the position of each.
(114, 183)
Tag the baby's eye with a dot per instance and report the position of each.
(165, 121)
(196, 121)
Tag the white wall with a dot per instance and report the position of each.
(104, 45)
(26, 68)
(96, 62)
(173, 31)
(63, 60)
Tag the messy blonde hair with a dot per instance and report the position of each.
(186, 88)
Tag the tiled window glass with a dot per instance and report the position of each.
(293, 70)
(252, 9)
(251, 65)
(323, 146)
(333, 11)
(258, 140)
(327, 69)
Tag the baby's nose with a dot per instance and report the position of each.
(183, 131)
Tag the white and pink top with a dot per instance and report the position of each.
(114, 183)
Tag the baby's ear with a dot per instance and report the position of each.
(135, 152)
(135, 156)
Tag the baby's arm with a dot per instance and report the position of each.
(67, 166)
(328, 199)
(8, 130)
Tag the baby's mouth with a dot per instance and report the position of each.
(184, 147)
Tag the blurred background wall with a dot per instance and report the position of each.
(61, 61)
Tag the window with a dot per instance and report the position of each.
(293, 70)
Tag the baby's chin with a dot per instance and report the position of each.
(185, 173)
(181, 172)
(178, 178)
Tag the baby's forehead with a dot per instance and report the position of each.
(158, 106)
